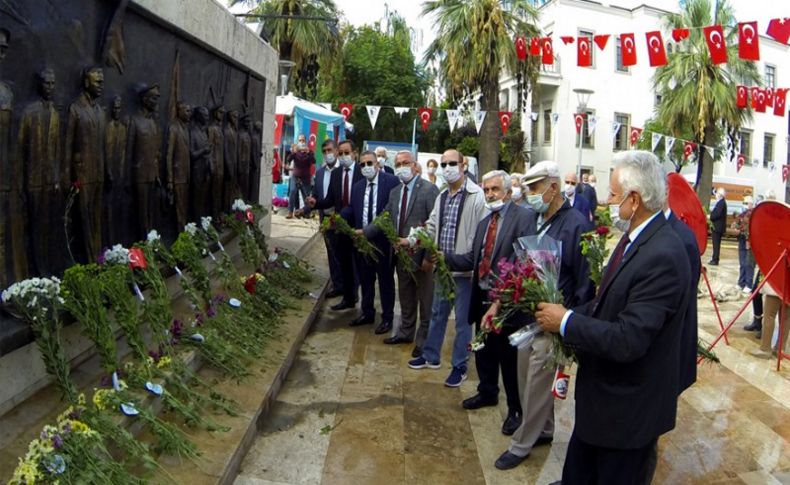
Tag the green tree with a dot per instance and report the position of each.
(675, 156)
(695, 93)
(513, 147)
(474, 45)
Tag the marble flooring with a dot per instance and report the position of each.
(352, 412)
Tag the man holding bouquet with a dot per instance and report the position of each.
(627, 339)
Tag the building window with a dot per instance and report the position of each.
(618, 60)
(768, 149)
(746, 145)
(504, 100)
(621, 137)
(547, 126)
(589, 141)
(770, 76)
(589, 35)
(533, 138)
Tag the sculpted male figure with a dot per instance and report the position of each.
(245, 156)
(145, 142)
(255, 163)
(39, 154)
(201, 164)
(85, 156)
(216, 139)
(231, 159)
(118, 186)
(178, 162)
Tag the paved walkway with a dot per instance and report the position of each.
(352, 412)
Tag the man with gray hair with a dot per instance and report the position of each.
(383, 159)
(718, 217)
(627, 339)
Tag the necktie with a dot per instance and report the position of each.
(614, 262)
(485, 263)
(370, 202)
(402, 214)
(345, 188)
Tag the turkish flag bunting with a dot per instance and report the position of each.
(714, 36)
(785, 172)
(279, 121)
(779, 30)
(534, 46)
(742, 97)
(548, 52)
(583, 53)
(748, 41)
(521, 48)
(504, 120)
(567, 39)
(688, 149)
(635, 134)
(628, 49)
(137, 259)
(655, 49)
(760, 100)
(754, 92)
(679, 35)
(601, 40)
(311, 140)
(425, 117)
(741, 161)
(578, 120)
(769, 97)
(346, 109)
(780, 97)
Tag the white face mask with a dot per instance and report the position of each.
(405, 174)
(592, 184)
(330, 159)
(452, 174)
(516, 191)
(496, 205)
(381, 160)
(369, 172)
(537, 203)
(614, 212)
(301, 145)
(432, 170)
(345, 160)
(569, 189)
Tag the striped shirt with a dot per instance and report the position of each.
(450, 222)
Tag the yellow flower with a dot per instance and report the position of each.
(149, 360)
(79, 427)
(26, 473)
(101, 399)
(164, 362)
(81, 399)
(64, 416)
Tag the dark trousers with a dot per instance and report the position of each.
(716, 246)
(590, 464)
(299, 187)
(335, 270)
(382, 270)
(41, 224)
(217, 205)
(746, 264)
(90, 204)
(147, 199)
(757, 302)
(345, 257)
(496, 355)
(181, 200)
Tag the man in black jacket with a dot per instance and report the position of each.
(718, 217)
(627, 339)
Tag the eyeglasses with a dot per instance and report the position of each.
(367, 164)
(452, 164)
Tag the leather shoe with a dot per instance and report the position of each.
(342, 305)
(479, 401)
(756, 325)
(383, 327)
(333, 293)
(508, 460)
(361, 320)
(713, 263)
(397, 339)
(416, 352)
(543, 440)
(511, 424)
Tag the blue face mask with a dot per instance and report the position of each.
(536, 202)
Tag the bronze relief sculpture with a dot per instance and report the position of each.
(177, 159)
(117, 185)
(231, 159)
(245, 157)
(200, 164)
(144, 152)
(216, 138)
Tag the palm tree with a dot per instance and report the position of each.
(474, 45)
(296, 29)
(697, 94)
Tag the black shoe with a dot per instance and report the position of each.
(479, 401)
(361, 320)
(511, 424)
(416, 352)
(398, 340)
(333, 293)
(713, 263)
(543, 440)
(755, 326)
(508, 460)
(342, 305)
(383, 327)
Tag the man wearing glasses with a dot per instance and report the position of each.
(453, 221)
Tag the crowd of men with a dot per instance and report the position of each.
(634, 337)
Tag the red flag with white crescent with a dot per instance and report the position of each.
(521, 48)
(655, 49)
(548, 51)
(628, 49)
(137, 259)
(742, 97)
(578, 120)
(769, 97)
(760, 100)
(679, 35)
(785, 172)
(741, 161)
(748, 41)
(346, 109)
(714, 36)
(635, 134)
(425, 117)
(504, 120)
(754, 91)
(583, 52)
(313, 137)
(688, 149)
(780, 96)
(279, 120)
(534, 46)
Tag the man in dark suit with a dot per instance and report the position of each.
(587, 190)
(410, 204)
(493, 241)
(718, 217)
(627, 340)
(323, 176)
(341, 188)
(577, 198)
(381, 157)
(368, 200)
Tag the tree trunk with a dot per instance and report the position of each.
(489, 133)
(705, 169)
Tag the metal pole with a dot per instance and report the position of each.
(581, 141)
(414, 137)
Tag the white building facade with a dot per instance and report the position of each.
(626, 95)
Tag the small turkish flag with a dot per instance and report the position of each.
(635, 134)
(425, 117)
(688, 149)
(548, 53)
(521, 48)
(769, 97)
(578, 120)
(740, 162)
(583, 54)
(566, 39)
(780, 97)
(504, 120)
(679, 35)
(785, 172)
(345, 110)
(748, 41)
(742, 98)
(534, 46)
(754, 91)
(655, 49)
(250, 216)
(628, 49)
(760, 100)
(714, 36)
(601, 40)
(137, 259)
(779, 30)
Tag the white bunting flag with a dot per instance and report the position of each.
(452, 118)
(555, 117)
(712, 152)
(534, 116)
(592, 123)
(656, 140)
(670, 142)
(373, 114)
(479, 117)
(401, 110)
(615, 128)
(326, 106)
